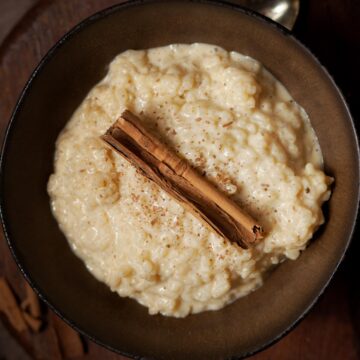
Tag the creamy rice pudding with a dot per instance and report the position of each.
(233, 121)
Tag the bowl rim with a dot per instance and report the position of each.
(38, 69)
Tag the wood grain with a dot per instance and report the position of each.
(330, 29)
(11, 13)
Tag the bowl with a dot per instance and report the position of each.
(58, 85)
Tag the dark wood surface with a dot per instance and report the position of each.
(330, 28)
(11, 12)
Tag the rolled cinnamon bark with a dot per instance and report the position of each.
(10, 308)
(176, 176)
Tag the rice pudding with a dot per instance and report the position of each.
(234, 122)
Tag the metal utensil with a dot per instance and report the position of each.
(283, 12)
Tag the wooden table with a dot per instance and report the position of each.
(330, 29)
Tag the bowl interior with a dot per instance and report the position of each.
(59, 86)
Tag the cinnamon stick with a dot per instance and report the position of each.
(31, 303)
(176, 176)
(69, 340)
(31, 309)
(9, 307)
(33, 322)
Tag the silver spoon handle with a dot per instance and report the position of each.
(284, 12)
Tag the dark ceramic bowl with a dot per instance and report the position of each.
(54, 91)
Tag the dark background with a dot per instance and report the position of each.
(331, 29)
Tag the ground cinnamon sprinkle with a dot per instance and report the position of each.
(228, 124)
